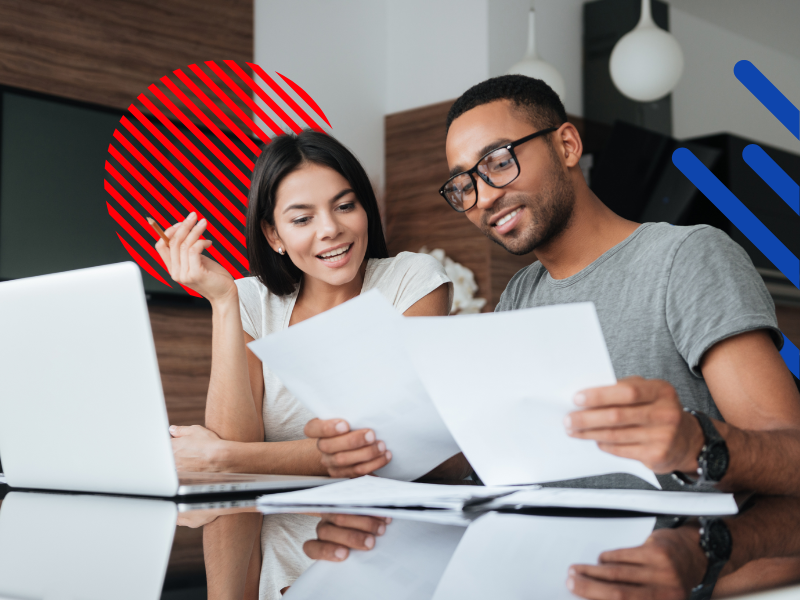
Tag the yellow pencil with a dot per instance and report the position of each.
(159, 231)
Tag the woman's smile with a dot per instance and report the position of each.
(337, 256)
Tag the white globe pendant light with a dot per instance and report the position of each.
(533, 66)
(647, 62)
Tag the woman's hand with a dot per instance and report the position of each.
(187, 265)
(337, 534)
(196, 448)
(347, 453)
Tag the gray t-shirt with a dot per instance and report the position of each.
(664, 296)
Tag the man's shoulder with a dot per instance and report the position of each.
(524, 279)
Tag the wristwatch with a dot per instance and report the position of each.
(717, 543)
(713, 460)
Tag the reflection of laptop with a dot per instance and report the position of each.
(81, 404)
(92, 547)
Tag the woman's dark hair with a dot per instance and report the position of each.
(282, 156)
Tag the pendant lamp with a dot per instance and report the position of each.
(647, 62)
(533, 66)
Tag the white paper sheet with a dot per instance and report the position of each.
(406, 563)
(350, 363)
(646, 501)
(503, 383)
(371, 491)
(425, 515)
(523, 556)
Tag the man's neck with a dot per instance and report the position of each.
(593, 230)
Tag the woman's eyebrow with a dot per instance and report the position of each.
(344, 192)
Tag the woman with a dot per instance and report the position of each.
(314, 241)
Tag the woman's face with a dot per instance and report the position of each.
(320, 224)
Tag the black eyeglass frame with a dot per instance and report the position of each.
(510, 147)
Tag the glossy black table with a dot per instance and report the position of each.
(55, 545)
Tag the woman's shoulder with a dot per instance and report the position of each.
(406, 264)
(255, 295)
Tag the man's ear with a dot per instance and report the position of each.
(273, 239)
(569, 145)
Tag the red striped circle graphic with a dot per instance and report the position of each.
(189, 143)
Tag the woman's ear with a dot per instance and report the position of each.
(273, 239)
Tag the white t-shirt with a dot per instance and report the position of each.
(403, 280)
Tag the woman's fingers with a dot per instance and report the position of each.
(191, 249)
(362, 468)
(318, 428)
(354, 457)
(180, 233)
(317, 550)
(348, 441)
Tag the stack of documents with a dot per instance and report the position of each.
(367, 493)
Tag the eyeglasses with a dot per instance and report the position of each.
(497, 168)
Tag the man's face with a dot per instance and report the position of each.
(539, 202)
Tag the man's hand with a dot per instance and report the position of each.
(195, 448)
(337, 534)
(666, 567)
(641, 419)
(347, 453)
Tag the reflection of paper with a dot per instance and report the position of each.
(349, 363)
(523, 556)
(646, 501)
(425, 515)
(406, 563)
(504, 382)
(2, 478)
(88, 547)
(377, 491)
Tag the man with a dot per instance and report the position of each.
(687, 319)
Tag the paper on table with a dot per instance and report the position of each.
(441, 517)
(350, 363)
(407, 563)
(370, 491)
(646, 501)
(523, 556)
(503, 383)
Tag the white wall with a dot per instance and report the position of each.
(709, 98)
(336, 51)
(435, 50)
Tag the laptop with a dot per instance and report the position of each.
(81, 403)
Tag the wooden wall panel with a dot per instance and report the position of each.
(183, 346)
(108, 52)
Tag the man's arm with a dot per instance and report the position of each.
(754, 391)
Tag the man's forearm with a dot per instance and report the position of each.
(767, 462)
(299, 457)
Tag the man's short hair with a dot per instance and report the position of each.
(536, 100)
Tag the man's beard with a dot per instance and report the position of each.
(551, 210)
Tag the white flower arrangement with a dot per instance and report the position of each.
(464, 286)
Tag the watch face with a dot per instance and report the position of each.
(716, 461)
(718, 542)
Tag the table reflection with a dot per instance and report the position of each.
(92, 547)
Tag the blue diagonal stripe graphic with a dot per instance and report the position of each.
(773, 175)
(769, 95)
(738, 214)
